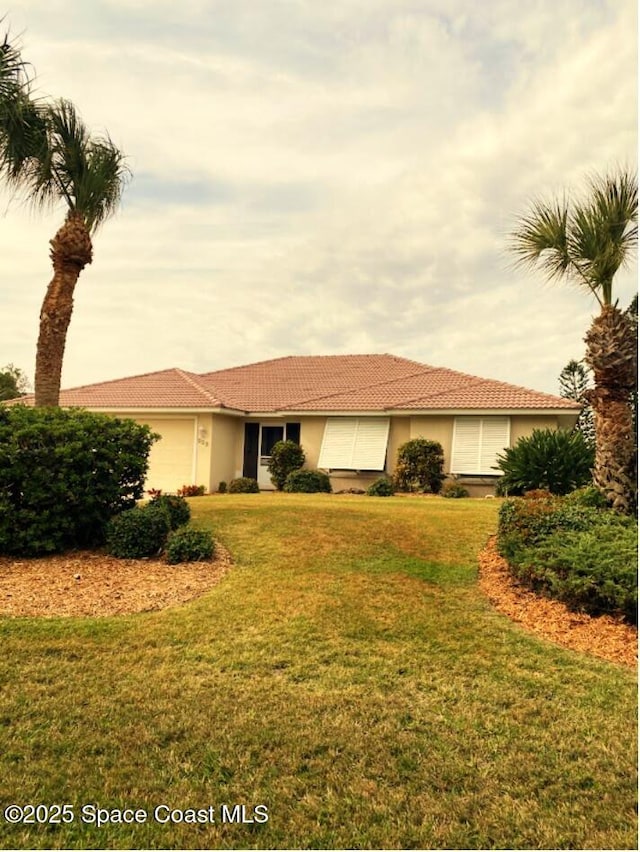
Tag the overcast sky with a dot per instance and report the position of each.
(323, 178)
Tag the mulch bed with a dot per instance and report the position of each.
(606, 637)
(86, 583)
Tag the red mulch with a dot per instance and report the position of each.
(86, 583)
(606, 637)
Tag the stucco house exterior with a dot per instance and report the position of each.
(350, 413)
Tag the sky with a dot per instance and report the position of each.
(319, 178)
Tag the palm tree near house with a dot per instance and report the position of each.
(586, 243)
(47, 153)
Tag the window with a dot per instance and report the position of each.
(477, 441)
(354, 443)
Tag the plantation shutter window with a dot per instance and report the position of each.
(354, 443)
(477, 442)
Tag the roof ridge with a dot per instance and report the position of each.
(190, 378)
(349, 356)
(244, 366)
(121, 379)
(351, 389)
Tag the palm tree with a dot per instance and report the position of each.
(586, 243)
(47, 153)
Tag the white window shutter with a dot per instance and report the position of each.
(354, 443)
(477, 441)
(495, 437)
(370, 448)
(338, 441)
(466, 444)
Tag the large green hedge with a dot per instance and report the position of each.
(64, 474)
(571, 549)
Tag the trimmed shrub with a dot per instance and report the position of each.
(222, 487)
(308, 482)
(64, 474)
(587, 496)
(454, 490)
(138, 532)
(557, 460)
(177, 508)
(286, 456)
(189, 545)
(580, 554)
(593, 570)
(191, 491)
(244, 485)
(382, 487)
(420, 466)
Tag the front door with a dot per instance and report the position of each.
(269, 435)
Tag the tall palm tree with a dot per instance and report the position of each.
(47, 153)
(587, 242)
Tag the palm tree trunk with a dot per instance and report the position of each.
(612, 354)
(71, 251)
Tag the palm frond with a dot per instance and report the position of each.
(22, 128)
(585, 242)
(541, 238)
(87, 173)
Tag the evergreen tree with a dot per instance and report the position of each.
(574, 383)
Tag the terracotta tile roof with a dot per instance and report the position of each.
(166, 389)
(314, 383)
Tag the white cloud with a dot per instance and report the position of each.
(325, 178)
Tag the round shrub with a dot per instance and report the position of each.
(308, 482)
(553, 459)
(382, 487)
(244, 485)
(286, 456)
(420, 466)
(138, 532)
(64, 474)
(176, 507)
(189, 545)
(454, 490)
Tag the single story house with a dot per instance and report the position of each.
(350, 413)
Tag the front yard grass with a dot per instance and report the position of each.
(347, 674)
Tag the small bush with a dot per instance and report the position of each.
(222, 487)
(286, 456)
(138, 532)
(189, 545)
(454, 490)
(420, 466)
(382, 487)
(553, 459)
(244, 485)
(176, 507)
(308, 482)
(191, 491)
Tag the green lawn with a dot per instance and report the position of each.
(347, 675)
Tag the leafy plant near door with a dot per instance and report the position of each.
(286, 456)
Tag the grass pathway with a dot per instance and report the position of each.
(347, 674)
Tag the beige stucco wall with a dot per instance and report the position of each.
(219, 442)
(438, 428)
(226, 437)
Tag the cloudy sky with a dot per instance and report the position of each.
(323, 177)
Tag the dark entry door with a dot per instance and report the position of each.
(250, 461)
